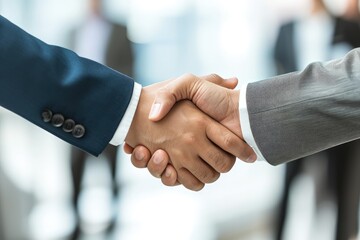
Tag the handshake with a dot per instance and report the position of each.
(187, 130)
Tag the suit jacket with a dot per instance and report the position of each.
(285, 57)
(301, 113)
(37, 78)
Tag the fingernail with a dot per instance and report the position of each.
(154, 110)
(139, 155)
(252, 158)
(157, 159)
(167, 172)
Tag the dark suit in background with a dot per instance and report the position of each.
(119, 56)
(343, 162)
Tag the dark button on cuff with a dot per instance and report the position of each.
(69, 125)
(46, 115)
(57, 120)
(79, 131)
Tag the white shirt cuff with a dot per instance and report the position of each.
(126, 121)
(245, 123)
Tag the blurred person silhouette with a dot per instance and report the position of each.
(106, 42)
(320, 36)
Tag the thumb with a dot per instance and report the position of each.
(181, 88)
(229, 83)
(162, 104)
(184, 87)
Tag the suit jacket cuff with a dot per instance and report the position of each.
(125, 122)
(245, 123)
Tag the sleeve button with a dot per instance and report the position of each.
(79, 131)
(46, 115)
(68, 125)
(57, 120)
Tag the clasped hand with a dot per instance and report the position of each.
(187, 130)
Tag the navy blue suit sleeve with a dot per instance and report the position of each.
(35, 76)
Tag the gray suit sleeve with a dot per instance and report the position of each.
(301, 113)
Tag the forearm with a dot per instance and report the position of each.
(298, 114)
(35, 76)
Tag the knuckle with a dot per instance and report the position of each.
(208, 176)
(163, 90)
(166, 92)
(229, 141)
(223, 165)
(187, 76)
(190, 138)
(217, 159)
(200, 121)
(215, 76)
(191, 183)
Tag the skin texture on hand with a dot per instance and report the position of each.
(220, 103)
(193, 141)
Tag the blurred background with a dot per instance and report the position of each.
(51, 191)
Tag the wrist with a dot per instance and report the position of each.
(139, 120)
(236, 100)
(234, 104)
(141, 124)
(234, 113)
(124, 125)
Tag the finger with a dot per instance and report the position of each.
(169, 178)
(229, 142)
(230, 83)
(176, 90)
(218, 159)
(185, 87)
(140, 157)
(199, 168)
(158, 162)
(189, 181)
(127, 148)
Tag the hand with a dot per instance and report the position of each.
(159, 168)
(219, 103)
(193, 140)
